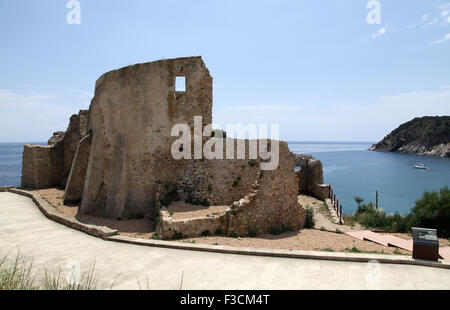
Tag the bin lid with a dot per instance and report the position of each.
(425, 236)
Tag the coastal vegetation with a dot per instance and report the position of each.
(431, 211)
(310, 221)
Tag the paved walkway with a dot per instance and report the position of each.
(51, 245)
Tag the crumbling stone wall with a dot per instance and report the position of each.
(47, 166)
(42, 166)
(310, 176)
(131, 117)
(217, 181)
(75, 184)
(268, 202)
(273, 204)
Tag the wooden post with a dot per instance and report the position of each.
(340, 216)
(377, 200)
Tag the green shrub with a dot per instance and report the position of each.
(369, 217)
(433, 211)
(234, 235)
(353, 250)
(253, 231)
(156, 236)
(253, 163)
(177, 235)
(328, 250)
(281, 230)
(310, 221)
(170, 197)
(218, 231)
(206, 233)
(197, 202)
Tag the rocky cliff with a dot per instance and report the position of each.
(428, 136)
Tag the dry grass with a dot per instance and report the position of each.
(19, 274)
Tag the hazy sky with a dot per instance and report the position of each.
(315, 67)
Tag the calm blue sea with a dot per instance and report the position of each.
(11, 162)
(355, 171)
(348, 166)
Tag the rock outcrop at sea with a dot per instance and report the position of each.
(428, 136)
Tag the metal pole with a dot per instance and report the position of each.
(377, 200)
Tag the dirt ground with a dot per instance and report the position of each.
(326, 236)
(322, 216)
(139, 228)
(306, 240)
(180, 210)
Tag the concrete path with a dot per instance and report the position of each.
(51, 245)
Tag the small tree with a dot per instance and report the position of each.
(358, 200)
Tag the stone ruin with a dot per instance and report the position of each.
(115, 160)
(310, 176)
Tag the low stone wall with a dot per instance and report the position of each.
(322, 191)
(168, 228)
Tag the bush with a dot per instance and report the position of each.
(170, 197)
(197, 202)
(281, 230)
(253, 231)
(206, 233)
(177, 235)
(433, 211)
(252, 163)
(310, 221)
(368, 216)
(234, 235)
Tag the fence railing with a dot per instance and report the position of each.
(337, 206)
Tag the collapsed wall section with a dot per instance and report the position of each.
(48, 166)
(265, 201)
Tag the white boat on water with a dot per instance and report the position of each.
(420, 166)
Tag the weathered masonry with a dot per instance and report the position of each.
(115, 159)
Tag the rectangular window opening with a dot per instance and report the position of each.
(180, 83)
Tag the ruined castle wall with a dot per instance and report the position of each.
(48, 166)
(75, 132)
(273, 205)
(131, 117)
(220, 181)
(264, 202)
(311, 176)
(75, 183)
(42, 166)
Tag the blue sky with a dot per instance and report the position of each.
(315, 67)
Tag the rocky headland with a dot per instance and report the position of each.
(428, 136)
